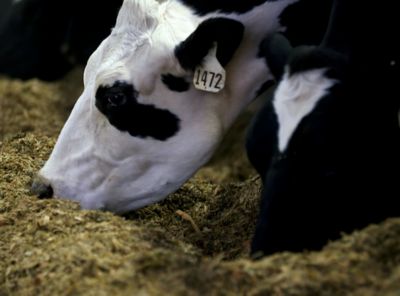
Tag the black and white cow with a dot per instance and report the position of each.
(142, 127)
(328, 145)
(45, 38)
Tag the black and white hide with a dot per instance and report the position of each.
(327, 147)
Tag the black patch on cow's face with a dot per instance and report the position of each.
(118, 103)
(174, 83)
(203, 7)
(227, 33)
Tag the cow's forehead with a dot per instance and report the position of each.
(138, 14)
(143, 18)
(143, 41)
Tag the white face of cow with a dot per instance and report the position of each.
(140, 129)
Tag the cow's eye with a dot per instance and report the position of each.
(117, 95)
(117, 99)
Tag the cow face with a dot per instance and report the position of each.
(140, 128)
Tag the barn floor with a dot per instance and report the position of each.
(51, 247)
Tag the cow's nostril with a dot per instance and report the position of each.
(42, 189)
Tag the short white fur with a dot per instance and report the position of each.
(295, 97)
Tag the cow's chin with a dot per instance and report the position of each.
(122, 196)
(134, 183)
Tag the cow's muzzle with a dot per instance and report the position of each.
(42, 188)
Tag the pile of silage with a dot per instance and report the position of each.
(194, 243)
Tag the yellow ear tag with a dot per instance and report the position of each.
(210, 76)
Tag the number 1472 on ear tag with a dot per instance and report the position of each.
(210, 76)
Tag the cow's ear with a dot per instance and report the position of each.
(226, 33)
(276, 50)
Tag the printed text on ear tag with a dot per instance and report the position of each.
(210, 76)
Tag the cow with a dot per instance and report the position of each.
(44, 39)
(327, 147)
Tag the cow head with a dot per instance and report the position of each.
(140, 128)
